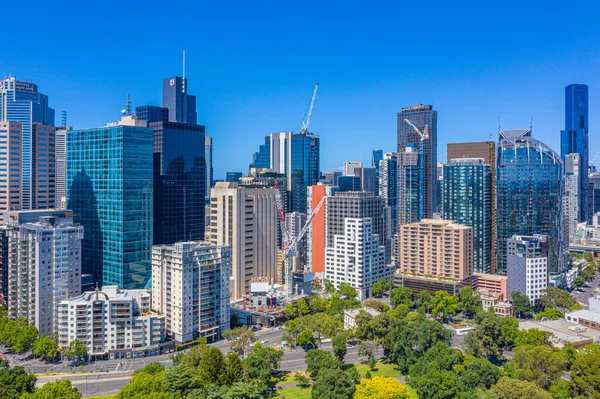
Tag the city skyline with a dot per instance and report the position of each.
(471, 81)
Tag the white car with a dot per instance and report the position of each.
(264, 341)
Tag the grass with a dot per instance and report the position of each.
(294, 393)
(382, 369)
(288, 378)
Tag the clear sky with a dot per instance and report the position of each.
(253, 65)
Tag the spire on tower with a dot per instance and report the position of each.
(127, 110)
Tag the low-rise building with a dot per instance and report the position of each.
(350, 316)
(112, 322)
(527, 265)
(585, 318)
(563, 332)
(490, 282)
(493, 299)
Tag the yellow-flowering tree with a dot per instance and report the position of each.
(381, 388)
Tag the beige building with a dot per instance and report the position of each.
(10, 144)
(44, 167)
(436, 248)
(245, 218)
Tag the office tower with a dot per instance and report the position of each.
(233, 177)
(60, 155)
(349, 183)
(190, 286)
(331, 178)
(368, 179)
(152, 113)
(593, 196)
(245, 218)
(109, 189)
(44, 265)
(208, 155)
(315, 236)
(376, 158)
(424, 118)
(574, 138)
(112, 321)
(181, 105)
(437, 249)
(21, 102)
(356, 257)
(294, 222)
(529, 191)
(350, 168)
(467, 200)
(10, 145)
(44, 167)
(262, 158)
(3, 266)
(411, 195)
(388, 186)
(438, 184)
(571, 195)
(527, 265)
(179, 182)
(487, 151)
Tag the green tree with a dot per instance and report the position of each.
(538, 364)
(333, 383)
(305, 338)
(469, 301)
(562, 389)
(315, 304)
(234, 369)
(367, 349)
(179, 380)
(329, 287)
(401, 295)
(478, 373)
(59, 389)
(16, 379)
(302, 380)
(377, 305)
(378, 287)
(345, 289)
(444, 304)
(585, 373)
(473, 345)
(339, 347)
(302, 306)
(569, 353)
(145, 382)
(486, 340)
(25, 339)
(579, 281)
(45, 348)
(556, 298)
(262, 361)
(241, 338)
(317, 360)
(423, 301)
(533, 337)
(510, 388)
(521, 305)
(550, 313)
(588, 256)
(290, 311)
(436, 384)
(508, 331)
(76, 349)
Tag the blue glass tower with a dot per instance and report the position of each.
(21, 102)
(377, 157)
(181, 105)
(109, 186)
(467, 200)
(388, 185)
(412, 171)
(152, 113)
(305, 168)
(529, 190)
(574, 138)
(262, 158)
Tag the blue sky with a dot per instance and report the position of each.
(253, 65)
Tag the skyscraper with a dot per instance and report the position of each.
(60, 155)
(424, 119)
(43, 181)
(21, 102)
(109, 186)
(529, 190)
(574, 138)
(376, 158)
(467, 200)
(10, 145)
(593, 196)
(152, 113)
(388, 185)
(181, 105)
(571, 201)
(315, 236)
(208, 155)
(411, 196)
(351, 167)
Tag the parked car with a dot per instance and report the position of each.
(72, 364)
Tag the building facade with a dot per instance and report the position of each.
(571, 201)
(10, 187)
(593, 195)
(412, 194)
(315, 236)
(528, 265)
(44, 167)
(44, 261)
(388, 186)
(60, 155)
(467, 200)
(190, 286)
(181, 105)
(351, 167)
(208, 155)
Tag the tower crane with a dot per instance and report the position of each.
(425, 135)
(289, 242)
(306, 124)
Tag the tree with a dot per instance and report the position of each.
(521, 305)
(469, 301)
(367, 349)
(179, 380)
(380, 387)
(508, 331)
(444, 304)
(345, 289)
(16, 379)
(473, 345)
(329, 287)
(301, 380)
(317, 360)
(550, 313)
(509, 388)
(145, 382)
(562, 389)
(534, 337)
(76, 349)
(305, 338)
(423, 301)
(378, 287)
(290, 311)
(59, 389)
(588, 256)
(25, 339)
(401, 295)
(538, 364)
(585, 373)
(45, 348)
(243, 390)
(315, 304)
(436, 384)
(303, 308)
(579, 281)
(556, 298)
(262, 361)
(339, 347)
(234, 369)
(333, 383)
(241, 338)
(478, 373)
(377, 305)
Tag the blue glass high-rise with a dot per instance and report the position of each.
(529, 191)
(574, 138)
(377, 157)
(305, 168)
(262, 158)
(109, 186)
(181, 105)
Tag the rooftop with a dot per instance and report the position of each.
(355, 312)
(585, 314)
(563, 332)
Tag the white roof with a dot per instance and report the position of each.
(585, 314)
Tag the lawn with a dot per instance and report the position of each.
(382, 369)
(293, 393)
(288, 378)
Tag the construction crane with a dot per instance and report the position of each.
(289, 242)
(306, 124)
(424, 136)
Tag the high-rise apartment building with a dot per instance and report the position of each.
(436, 248)
(10, 163)
(109, 189)
(44, 167)
(44, 265)
(574, 138)
(388, 186)
(411, 195)
(208, 156)
(60, 155)
(487, 151)
(529, 196)
(190, 286)
(593, 196)
(351, 167)
(467, 200)
(424, 119)
(21, 102)
(571, 201)
(181, 105)
(112, 322)
(527, 265)
(356, 257)
(245, 218)
(315, 236)
(3, 266)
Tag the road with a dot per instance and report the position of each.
(583, 298)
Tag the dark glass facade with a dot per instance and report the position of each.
(262, 158)
(109, 186)
(376, 158)
(529, 190)
(152, 113)
(574, 138)
(233, 177)
(181, 105)
(305, 162)
(179, 182)
(412, 173)
(593, 204)
(349, 183)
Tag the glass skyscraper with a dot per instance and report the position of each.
(21, 102)
(152, 113)
(109, 186)
(388, 185)
(412, 190)
(262, 158)
(467, 200)
(181, 105)
(529, 189)
(377, 157)
(574, 138)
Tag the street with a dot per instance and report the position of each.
(583, 298)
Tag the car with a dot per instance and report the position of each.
(264, 341)
(350, 347)
(591, 294)
(72, 364)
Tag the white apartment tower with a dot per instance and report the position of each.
(190, 286)
(571, 197)
(60, 151)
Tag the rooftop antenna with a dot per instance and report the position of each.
(183, 80)
(184, 64)
(127, 110)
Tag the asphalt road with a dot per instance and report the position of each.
(583, 298)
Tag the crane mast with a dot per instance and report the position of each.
(306, 124)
